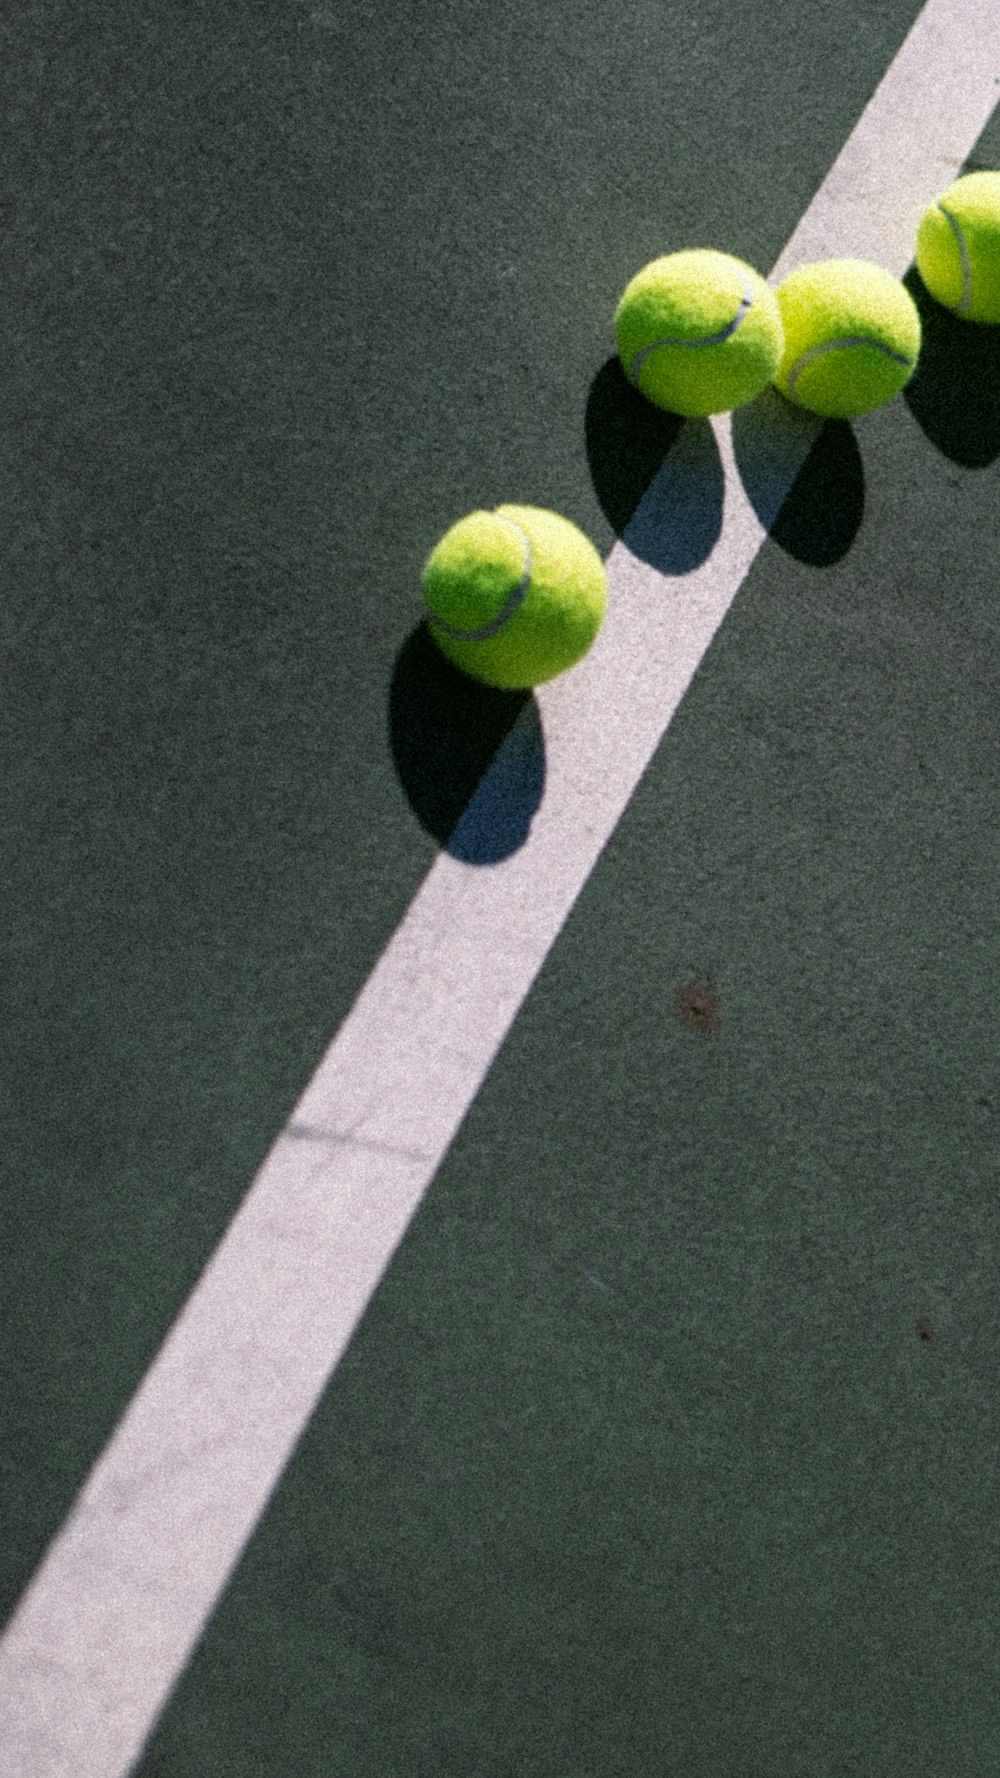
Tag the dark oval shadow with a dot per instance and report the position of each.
(659, 478)
(497, 820)
(470, 759)
(954, 393)
(802, 475)
(627, 439)
(822, 515)
(679, 519)
(818, 518)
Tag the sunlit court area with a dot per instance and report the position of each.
(499, 689)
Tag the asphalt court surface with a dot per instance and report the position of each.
(669, 1442)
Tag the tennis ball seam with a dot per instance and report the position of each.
(842, 345)
(709, 339)
(962, 306)
(516, 597)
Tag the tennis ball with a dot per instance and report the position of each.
(852, 337)
(514, 596)
(958, 247)
(698, 332)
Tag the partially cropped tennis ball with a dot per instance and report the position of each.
(514, 596)
(958, 247)
(852, 337)
(698, 332)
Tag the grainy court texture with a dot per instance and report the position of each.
(500, 1189)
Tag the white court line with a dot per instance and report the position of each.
(111, 1618)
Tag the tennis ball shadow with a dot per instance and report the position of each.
(954, 393)
(679, 519)
(472, 783)
(627, 439)
(658, 478)
(817, 519)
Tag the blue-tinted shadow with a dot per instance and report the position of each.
(658, 478)
(815, 513)
(627, 439)
(498, 819)
(679, 519)
(471, 760)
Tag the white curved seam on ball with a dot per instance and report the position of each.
(515, 598)
(810, 357)
(711, 339)
(963, 254)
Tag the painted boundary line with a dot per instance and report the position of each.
(127, 1587)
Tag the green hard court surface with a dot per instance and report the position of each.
(669, 1444)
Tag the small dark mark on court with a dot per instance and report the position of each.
(925, 1332)
(697, 1006)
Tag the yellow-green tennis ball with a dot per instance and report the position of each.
(958, 247)
(514, 596)
(698, 332)
(852, 337)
